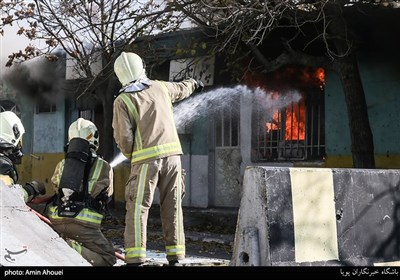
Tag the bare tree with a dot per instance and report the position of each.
(89, 32)
(243, 26)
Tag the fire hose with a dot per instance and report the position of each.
(39, 200)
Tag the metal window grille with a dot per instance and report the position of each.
(227, 127)
(86, 114)
(294, 132)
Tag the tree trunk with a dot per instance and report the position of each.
(106, 93)
(346, 65)
(108, 139)
(362, 145)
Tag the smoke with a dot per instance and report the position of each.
(37, 79)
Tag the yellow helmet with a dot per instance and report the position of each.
(84, 129)
(128, 67)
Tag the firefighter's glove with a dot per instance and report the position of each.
(199, 86)
(35, 188)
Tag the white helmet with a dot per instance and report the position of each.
(128, 67)
(84, 129)
(11, 130)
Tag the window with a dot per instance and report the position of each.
(290, 126)
(7, 105)
(86, 114)
(45, 107)
(227, 133)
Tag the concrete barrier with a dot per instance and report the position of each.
(318, 216)
(25, 240)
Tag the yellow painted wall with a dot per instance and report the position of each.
(381, 162)
(121, 175)
(387, 161)
(339, 161)
(39, 167)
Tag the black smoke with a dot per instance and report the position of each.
(37, 79)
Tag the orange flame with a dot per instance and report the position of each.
(295, 118)
(288, 77)
(295, 121)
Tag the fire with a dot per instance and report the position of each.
(295, 119)
(320, 74)
(291, 119)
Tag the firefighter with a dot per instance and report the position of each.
(145, 132)
(11, 132)
(83, 182)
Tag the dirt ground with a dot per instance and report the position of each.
(208, 233)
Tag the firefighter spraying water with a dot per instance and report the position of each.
(200, 105)
(145, 132)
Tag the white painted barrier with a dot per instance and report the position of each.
(318, 216)
(28, 241)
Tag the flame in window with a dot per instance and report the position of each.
(295, 121)
(282, 117)
(294, 118)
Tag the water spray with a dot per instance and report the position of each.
(198, 105)
(117, 160)
(193, 107)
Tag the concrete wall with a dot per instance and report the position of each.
(380, 74)
(40, 167)
(228, 182)
(49, 131)
(196, 182)
(318, 216)
(44, 142)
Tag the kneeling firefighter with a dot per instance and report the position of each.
(11, 132)
(83, 183)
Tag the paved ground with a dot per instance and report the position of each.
(209, 235)
(156, 258)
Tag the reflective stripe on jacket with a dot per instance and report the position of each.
(100, 180)
(143, 121)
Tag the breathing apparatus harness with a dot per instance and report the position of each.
(7, 167)
(73, 194)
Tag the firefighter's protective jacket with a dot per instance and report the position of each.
(100, 182)
(143, 121)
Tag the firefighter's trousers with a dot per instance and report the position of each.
(89, 242)
(166, 174)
